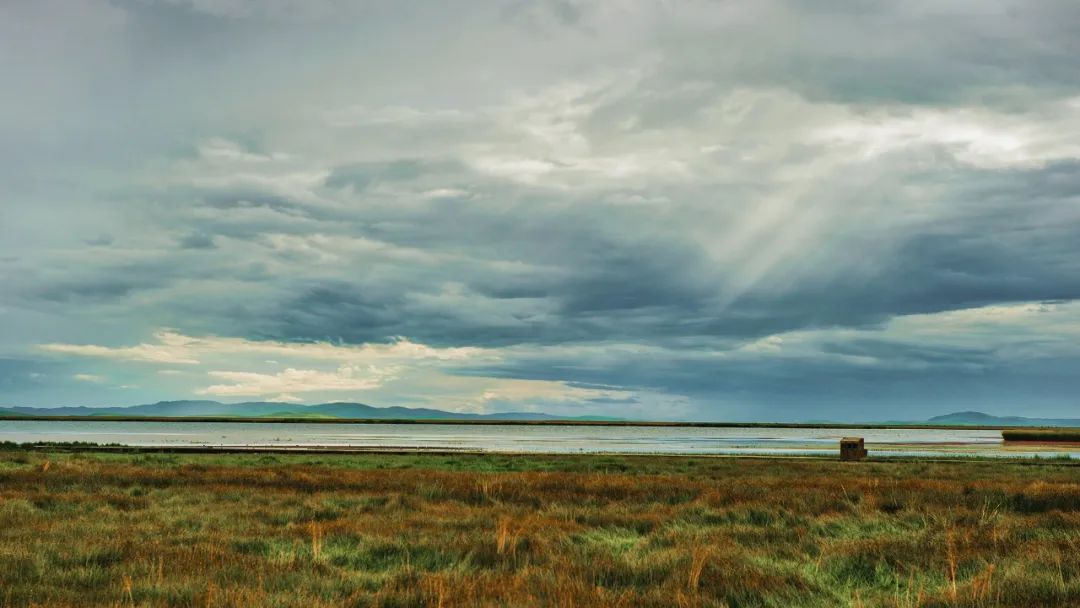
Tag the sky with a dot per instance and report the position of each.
(655, 209)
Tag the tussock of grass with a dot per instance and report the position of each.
(365, 530)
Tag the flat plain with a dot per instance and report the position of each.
(105, 529)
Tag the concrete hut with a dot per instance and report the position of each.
(852, 448)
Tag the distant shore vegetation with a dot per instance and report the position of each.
(1042, 435)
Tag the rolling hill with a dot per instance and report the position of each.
(254, 409)
(979, 418)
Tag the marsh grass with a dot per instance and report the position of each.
(365, 530)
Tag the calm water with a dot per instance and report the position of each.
(539, 439)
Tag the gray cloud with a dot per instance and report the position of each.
(688, 178)
(198, 240)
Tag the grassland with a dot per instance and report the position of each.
(92, 529)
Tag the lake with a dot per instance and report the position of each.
(534, 439)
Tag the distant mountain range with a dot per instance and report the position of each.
(979, 418)
(265, 409)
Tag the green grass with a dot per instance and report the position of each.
(113, 529)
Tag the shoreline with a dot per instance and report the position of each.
(83, 448)
(465, 422)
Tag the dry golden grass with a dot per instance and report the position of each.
(443, 531)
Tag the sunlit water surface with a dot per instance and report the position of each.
(535, 439)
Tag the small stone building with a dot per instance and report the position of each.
(852, 448)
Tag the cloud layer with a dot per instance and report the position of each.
(638, 208)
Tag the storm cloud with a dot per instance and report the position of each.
(777, 210)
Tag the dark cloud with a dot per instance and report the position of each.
(338, 311)
(198, 240)
(239, 198)
(498, 272)
(363, 175)
(896, 382)
(103, 240)
(932, 54)
(685, 179)
(569, 274)
(101, 288)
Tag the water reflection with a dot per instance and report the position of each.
(538, 439)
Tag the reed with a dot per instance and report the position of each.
(316, 540)
(503, 545)
(697, 563)
(950, 552)
(150, 530)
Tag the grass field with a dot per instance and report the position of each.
(434, 530)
